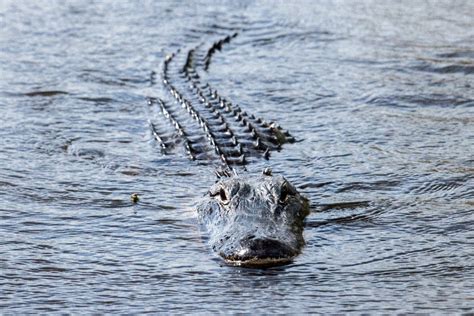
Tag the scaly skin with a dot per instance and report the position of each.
(254, 221)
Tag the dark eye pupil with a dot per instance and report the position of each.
(222, 195)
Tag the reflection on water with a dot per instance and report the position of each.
(378, 95)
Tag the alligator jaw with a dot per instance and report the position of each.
(259, 262)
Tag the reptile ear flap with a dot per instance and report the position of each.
(267, 172)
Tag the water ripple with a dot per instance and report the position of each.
(377, 94)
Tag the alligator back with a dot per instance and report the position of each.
(208, 125)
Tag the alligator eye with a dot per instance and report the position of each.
(284, 194)
(222, 195)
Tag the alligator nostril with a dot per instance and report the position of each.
(222, 195)
(251, 237)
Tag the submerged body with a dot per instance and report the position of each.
(254, 221)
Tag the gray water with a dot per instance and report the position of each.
(379, 95)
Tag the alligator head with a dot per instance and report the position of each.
(254, 221)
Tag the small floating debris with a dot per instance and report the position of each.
(135, 198)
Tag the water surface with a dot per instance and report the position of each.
(379, 95)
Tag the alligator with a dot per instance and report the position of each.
(251, 220)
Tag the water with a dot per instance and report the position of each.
(379, 94)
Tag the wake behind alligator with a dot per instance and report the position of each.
(251, 220)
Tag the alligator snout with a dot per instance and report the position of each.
(259, 252)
